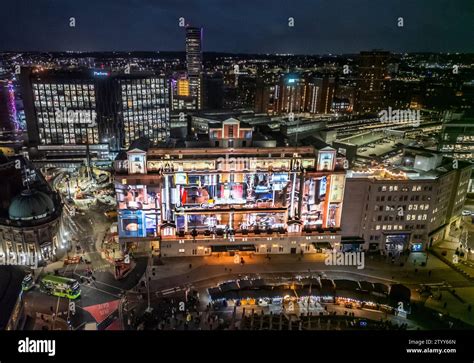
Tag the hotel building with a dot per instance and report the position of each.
(198, 201)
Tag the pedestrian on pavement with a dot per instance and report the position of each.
(429, 273)
(445, 304)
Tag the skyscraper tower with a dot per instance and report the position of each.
(194, 62)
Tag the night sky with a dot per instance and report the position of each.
(239, 26)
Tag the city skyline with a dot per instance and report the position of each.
(206, 166)
(426, 26)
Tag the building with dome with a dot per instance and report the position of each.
(30, 211)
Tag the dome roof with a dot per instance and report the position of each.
(29, 205)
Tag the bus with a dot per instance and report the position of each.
(60, 286)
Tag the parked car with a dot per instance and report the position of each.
(466, 213)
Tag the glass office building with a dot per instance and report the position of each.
(144, 108)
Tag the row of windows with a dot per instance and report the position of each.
(419, 217)
(395, 188)
(399, 227)
(390, 217)
(403, 198)
(60, 86)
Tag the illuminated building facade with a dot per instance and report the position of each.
(199, 201)
(295, 94)
(144, 108)
(183, 87)
(69, 109)
(411, 207)
(65, 111)
(30, 212)
(291, 94)
(181, 97)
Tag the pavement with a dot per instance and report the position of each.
(177, 268)
(175, 275)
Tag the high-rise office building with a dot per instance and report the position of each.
(144, 108)
(63, 110)
(194, 62)
(371, 81)
(95, 109)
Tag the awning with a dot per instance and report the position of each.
(322, 245)
(227, 248)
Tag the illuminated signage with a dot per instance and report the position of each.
(101, 73)
(292, 80)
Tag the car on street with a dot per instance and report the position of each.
(466, 213)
